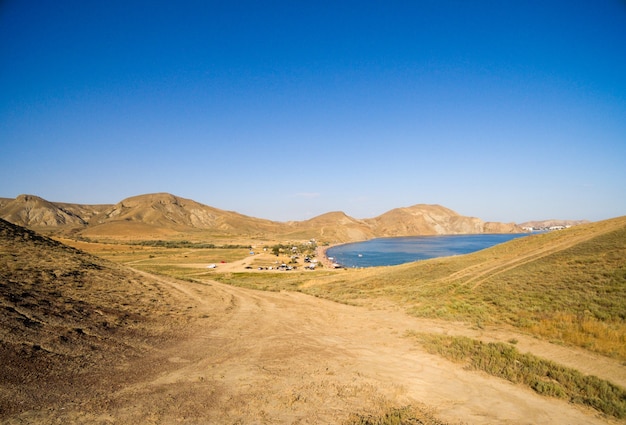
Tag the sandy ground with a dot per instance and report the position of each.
(252, 357)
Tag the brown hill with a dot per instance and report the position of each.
(85, 341)
(35, 212)
(546, 224)
(68, 319)
(333, 226)
(162, 215)
(85, 212)
(433, 220)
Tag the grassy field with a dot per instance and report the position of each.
(183, 261)
(567, 286)
(396, 416)
(543, 376)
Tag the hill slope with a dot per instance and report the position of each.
(35, 212)
(85, 341)
(67, 319)
(332, 226)
(433, 220)
(568, 285)
(162, 215)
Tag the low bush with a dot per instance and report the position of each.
(396, 416)
(543, 376)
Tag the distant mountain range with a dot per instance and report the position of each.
(547, 224)
(160, 215)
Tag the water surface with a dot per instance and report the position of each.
(393, 251)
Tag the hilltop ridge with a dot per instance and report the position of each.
(159, 215)
(422, 219)
(547, 224)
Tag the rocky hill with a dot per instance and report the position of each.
(164, 215)
(165, 212)
(334, 226)
(546, 224)
(67, 319)
(433, 220)
(35, 212)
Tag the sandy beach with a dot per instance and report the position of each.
(320, 252)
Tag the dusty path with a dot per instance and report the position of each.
(288, 358)
(263, 357)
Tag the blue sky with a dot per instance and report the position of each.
(503, 110)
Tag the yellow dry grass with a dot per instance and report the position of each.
(567, 286)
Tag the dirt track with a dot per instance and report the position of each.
(261, 357)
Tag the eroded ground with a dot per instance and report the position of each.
(260, 357)
(166, 351)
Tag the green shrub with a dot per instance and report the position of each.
(545, 377)
(396, 416)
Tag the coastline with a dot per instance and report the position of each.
(426, 247)
(320, 253)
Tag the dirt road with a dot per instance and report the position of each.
(261, 357)
(288, 358)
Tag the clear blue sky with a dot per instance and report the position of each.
(503, 110)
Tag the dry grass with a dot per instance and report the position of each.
(408, 415)
(69, 318)
(583, 330)
(567, 286)
(543, 376)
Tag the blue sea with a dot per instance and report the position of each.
(393, 251)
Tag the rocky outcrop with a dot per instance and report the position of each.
(35, 212)
(424, 219)
(166, 211)
(335, 226)
(546, 224)
(495, 227)
(161, 214)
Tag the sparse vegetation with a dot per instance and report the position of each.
(160, 243)
(68, 317)
(567, 286)
(307, 248)
(407, 415)
(187, 244)
(543, 376)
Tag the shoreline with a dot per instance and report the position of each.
(320, 253)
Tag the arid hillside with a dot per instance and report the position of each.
(332, 226)
(162, 215)
(69, 320)
(546, 224)
(433, 220)
(83, 340)
(169, 214)
(38, 213)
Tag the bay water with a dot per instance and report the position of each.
(394, 251)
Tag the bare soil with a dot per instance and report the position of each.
(180, 352)
(258, 357)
